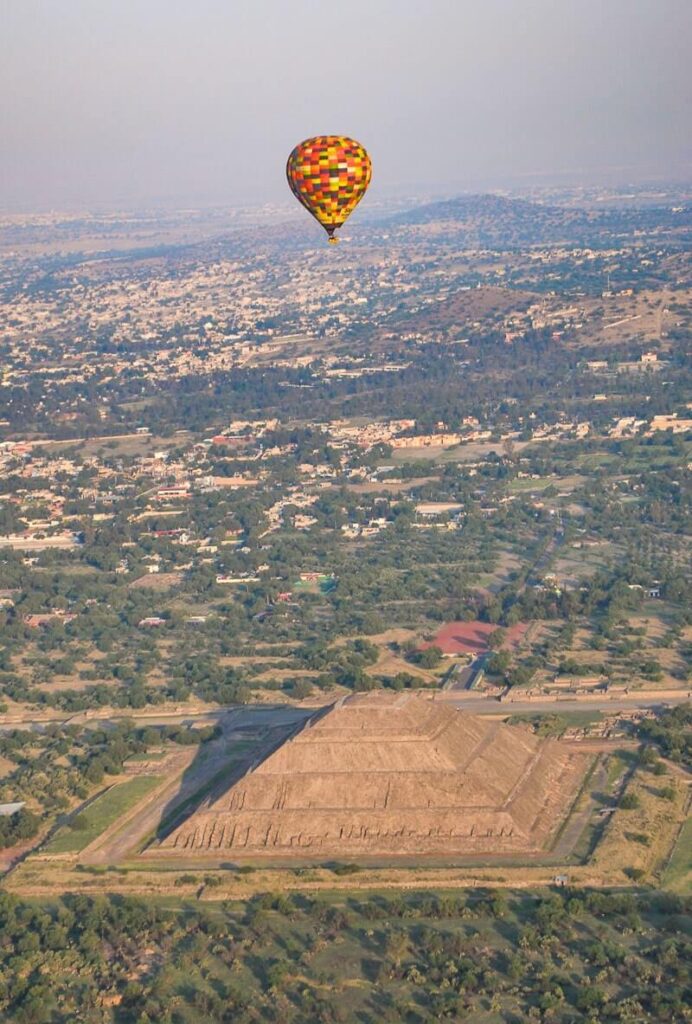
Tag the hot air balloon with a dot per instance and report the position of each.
(329, 176)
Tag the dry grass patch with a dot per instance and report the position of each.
(73, 682)
(654, 625)
(637, 842)
(389, 636)
(389, 665)
(233, 661)
(575, 563)
(393, 487)
(614, 319)
(157, 581)
(281, 674)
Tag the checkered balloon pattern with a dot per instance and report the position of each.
(329, 175)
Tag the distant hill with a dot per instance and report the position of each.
(462, 209)
(487, 221)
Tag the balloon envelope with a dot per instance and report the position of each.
(329, 175)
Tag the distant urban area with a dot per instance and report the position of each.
(270, 511)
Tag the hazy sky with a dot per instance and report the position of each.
(194, 101)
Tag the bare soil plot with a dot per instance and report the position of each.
(393, 486)
(289, 347)
(472, 637)
(653, 623)
(389, 663)
(12, 854)
(398, 634)
(672, 664)
(157, 581)
(6, 767)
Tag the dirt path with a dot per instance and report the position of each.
(116, 841)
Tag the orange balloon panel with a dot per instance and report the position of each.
(329, 175)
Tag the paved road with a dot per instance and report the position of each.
(250, 716)
(485, 705)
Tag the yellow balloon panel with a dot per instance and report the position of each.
(329, 175)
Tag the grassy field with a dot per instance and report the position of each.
(324, 585)
(469, 451)
(678, 872)
(120, 444)
(562, 483)
(557, 722)
(102, 813)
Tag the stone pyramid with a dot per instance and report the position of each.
(386, 774)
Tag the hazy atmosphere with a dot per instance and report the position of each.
(345, 548)
(126, 102)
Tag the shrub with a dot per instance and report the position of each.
(23, 824)
(343, 869)
(635, 873)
